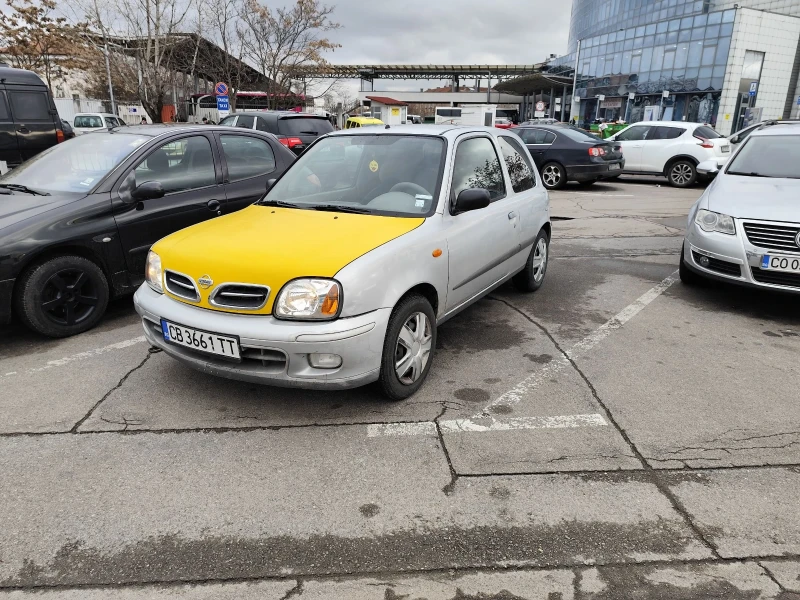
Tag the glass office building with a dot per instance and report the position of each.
(709, 61)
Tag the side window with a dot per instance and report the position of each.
(665, 133)
(477, 166)
(29, 106)
(180, 165)
(88, 121)
(261, 124)
(519, 167)
(548, 138)
(634, 134)
(246, 121)
(228, 121)
(4, 115)
(247, 156)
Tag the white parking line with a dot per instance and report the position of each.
(485, 424)
(514, 395)
(60, 362)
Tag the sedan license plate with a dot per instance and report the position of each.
(725, 148)
(202, 341)
(790, 264)
(613, 167)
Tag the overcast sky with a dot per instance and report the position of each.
(448, 32)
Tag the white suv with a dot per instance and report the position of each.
(91, 122)
(670, 148)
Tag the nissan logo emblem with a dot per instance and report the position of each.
(205, 282)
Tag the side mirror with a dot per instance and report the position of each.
(734, 139)
(149, 190)
(708, 167)
(270, 183)
(472, 199)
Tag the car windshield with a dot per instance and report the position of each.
(88, 121)
(75, 166)
(375, 174)
(304, 126)
(768, 156)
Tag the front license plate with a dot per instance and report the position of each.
(790, 264)
(725, 148)
(202, 341)
(613, 167)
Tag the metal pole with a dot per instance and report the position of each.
(108, 74)
(564, 105)
(552, 103)
(489, 89)
(575, 80)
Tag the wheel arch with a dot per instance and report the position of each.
(675, 159)
(38, 258)
(427, 291)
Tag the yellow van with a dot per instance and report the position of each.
(361, 122)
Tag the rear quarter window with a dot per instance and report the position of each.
(706, 132)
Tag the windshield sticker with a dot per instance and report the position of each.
(373, 166)
(88, 181)
(423, 197)
(419, 203)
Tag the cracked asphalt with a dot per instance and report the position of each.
(616, 435)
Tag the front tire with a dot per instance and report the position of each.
(63, 296)
(554, 177)
(682, 174)
(531, 277)
(408, 347)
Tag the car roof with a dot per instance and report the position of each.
(448, 131)
(9, 75)
(279, 113)
(365, 120)
(164, 128)
(96, 114)
(777, 128)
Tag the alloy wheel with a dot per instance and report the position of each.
(551, 176)
(413, 348)
(681, 174)
(69, 297)
(539, 260)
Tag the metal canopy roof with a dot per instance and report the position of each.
(415, 71)
(533, 84)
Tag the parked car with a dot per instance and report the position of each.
(745, 228)
(563, 153)
(294, 130)
(670, 148)
(69, 133)
(503, 123)
(541, 121)
(29, 121)
(356, 122)
(413, 120)
(740, 136)
(77, 221)
(351, 276)
(93, 122)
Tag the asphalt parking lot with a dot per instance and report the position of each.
(615, 435)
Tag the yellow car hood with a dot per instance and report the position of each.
(269, 245)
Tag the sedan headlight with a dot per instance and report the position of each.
(309, 299)
(712, 221)
(153, 272)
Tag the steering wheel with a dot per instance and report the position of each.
(412, 189)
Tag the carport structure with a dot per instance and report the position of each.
(534, 87)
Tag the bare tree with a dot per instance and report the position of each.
(33, 38)
(284, 42)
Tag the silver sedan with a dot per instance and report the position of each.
(745, 228)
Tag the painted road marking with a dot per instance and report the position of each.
(528, 384)
(60, 362)
(484, 424)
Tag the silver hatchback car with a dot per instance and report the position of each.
(745, 228)
(342, 273)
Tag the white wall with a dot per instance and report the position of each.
(775, 35)
(786, 7)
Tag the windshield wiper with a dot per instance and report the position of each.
(280, 203)
(341, 208)
(17, 187)
(752, 174)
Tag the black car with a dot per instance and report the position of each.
(69, 132)
(294, 130)
(29, 121)
(564, 153)
(77, 221)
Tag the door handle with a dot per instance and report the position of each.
(512, 215)
(214, 206)
(23, 129)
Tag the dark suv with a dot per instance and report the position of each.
(294, 130)
(29, 121)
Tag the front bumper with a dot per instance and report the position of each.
(725, 253)
(6, 293)
(273, 352)
(593, 171)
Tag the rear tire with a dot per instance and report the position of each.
(63, 296)
(682, 174)
(554, 177)
(531, 277)
(688, 277)
(408, 347)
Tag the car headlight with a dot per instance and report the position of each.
(153, 272)
(712, 221)
(309, 299)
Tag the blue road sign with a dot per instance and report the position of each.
(222, 103)
(798, 101)
(753, 88)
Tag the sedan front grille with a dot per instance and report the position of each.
(240, 296)
(776, 277)
(182, 286)
(774, 237)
